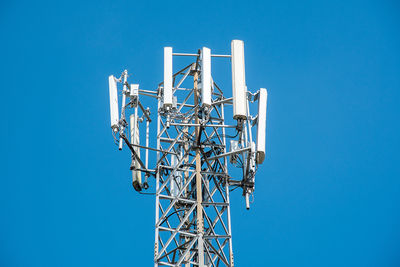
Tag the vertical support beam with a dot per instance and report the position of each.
(156, 246)
(123, 108)
(147, 144)
(200, 224)
(185, 148)
(227, 192)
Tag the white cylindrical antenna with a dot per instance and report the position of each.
(261, 124)
(206, 77)
(238, 80)
(167, 99)
(112, 84)
(135, 140)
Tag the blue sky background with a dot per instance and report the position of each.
(328, 193)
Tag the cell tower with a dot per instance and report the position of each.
(195, 150)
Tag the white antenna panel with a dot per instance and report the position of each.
(112, 84)
(167, 100)
(134, 90)
(238, 80)
(206, 77)
(261, 124)
(135, 139)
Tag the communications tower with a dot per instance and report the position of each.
(195, 152)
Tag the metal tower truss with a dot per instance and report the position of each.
(192, 196)
(195, 148)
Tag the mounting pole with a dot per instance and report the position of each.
(199, 200)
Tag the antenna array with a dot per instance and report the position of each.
(194, 152)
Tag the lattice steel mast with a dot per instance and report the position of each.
(192, 183)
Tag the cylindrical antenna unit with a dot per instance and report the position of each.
(167, 98)
(261, 124)
(112, 84)
(238, 80)
(206, 77)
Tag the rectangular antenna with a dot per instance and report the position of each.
(134, 90)
(206, 76)
(261, 124)
(134, 94)
(112, 84)
(167, 99)
(238, 80)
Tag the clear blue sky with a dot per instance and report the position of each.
(328, 193)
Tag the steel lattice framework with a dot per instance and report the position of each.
(193, 221)
(192, 182)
